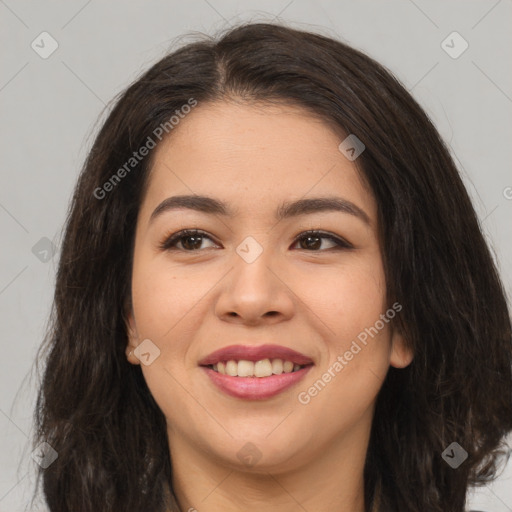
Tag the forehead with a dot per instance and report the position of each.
(253, 156)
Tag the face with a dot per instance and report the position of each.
(252, 276)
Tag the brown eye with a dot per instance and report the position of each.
(312, 241)
(190, 240)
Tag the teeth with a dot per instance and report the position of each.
(232, 368)
(262, 368)
(277, 366)
(245, 368)
(287, 366)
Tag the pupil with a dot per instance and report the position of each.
(196, 241)
(313, 245)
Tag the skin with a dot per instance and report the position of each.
(254, 157)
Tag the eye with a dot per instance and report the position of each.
(313, 240)
(191, 240)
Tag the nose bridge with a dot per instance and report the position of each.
(252, 265)
(253, 288)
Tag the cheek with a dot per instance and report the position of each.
(358, 339)
(355, 359)
(348, 300)
(164, 299)
(168, 308)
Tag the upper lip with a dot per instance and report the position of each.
(255, 353)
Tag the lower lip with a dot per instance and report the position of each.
(255, 388)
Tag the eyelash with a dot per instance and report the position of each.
(169, 241)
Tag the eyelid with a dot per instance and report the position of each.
(169, 239)
(319, 233)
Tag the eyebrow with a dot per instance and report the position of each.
(288, 209)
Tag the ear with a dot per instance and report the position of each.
(132, 335)
(401, 353)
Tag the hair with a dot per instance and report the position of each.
(95, 409)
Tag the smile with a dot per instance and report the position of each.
(261, 368)
(251, 387)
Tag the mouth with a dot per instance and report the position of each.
(255, 372)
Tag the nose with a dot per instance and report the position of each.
(256, 293)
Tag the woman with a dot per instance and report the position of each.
(273, 292)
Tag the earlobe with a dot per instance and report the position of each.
(131, 358)
(401, 353)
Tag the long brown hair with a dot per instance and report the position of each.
(95, 409)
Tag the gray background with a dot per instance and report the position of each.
(49, 110)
